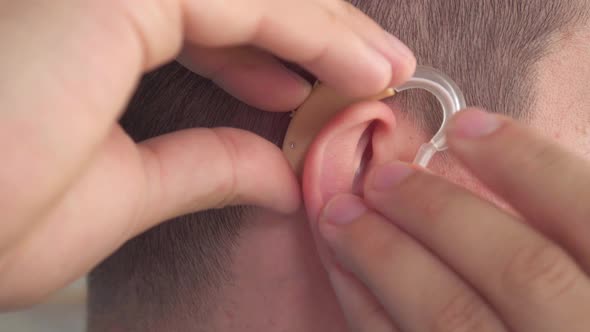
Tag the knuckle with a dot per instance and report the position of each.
(153, 175)
(316, 56)
(332, 15)
(539, 273)
(226, 190)
(152, 21)
(262, 24)
(350, 11)
(316, 52)
(346, 7)
(464, 312)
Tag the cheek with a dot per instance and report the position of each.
(570, 129)
(577, 141)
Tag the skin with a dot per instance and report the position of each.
(492, 244)
(69, 171)
(84, 153)
(501, 272)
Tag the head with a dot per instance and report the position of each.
(249, 269)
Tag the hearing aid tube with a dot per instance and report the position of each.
(450, 98)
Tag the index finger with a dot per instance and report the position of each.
(545, 183)
(521, 273)
(82, 60)
(318, 35)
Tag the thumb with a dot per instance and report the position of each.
(199, 169)
(129, 188)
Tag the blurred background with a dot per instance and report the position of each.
(64, 312)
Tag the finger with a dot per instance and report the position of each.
(305, 32)
(95, 216)
(112, 43)
(532, 283)
(372, 32)
(251, 75)
(199, 169)
(416, 289)
(80, 63)
(362, 311)
(545, 183)
(129, 189)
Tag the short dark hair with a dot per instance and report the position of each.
(490, 47)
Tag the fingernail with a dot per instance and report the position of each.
(390, 175)
(401, 57)
(343, 209)
(474, 124)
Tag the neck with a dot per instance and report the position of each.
(278, 282)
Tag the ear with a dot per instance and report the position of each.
(357, 138)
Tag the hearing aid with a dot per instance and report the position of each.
(323, 103)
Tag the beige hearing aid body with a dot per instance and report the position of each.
(323, 103)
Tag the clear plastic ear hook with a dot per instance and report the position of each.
(450, 98)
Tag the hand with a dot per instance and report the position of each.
(435, 257)
(74, 186)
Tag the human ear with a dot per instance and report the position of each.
(351, 142)
(357, 138)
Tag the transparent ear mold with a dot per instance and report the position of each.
(450, 98)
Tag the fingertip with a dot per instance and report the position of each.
(403, 69)
(400, 57)
(336, 218)
(288, 200)
(473, 123)
(342, 210)
(362, 72)
(264, 177)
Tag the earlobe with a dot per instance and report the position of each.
(358, 137)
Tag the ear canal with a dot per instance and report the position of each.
(339, 165)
